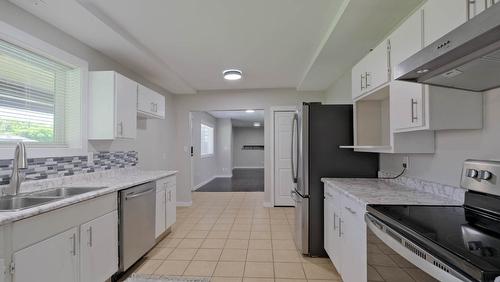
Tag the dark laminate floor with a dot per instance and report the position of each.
(243, 180)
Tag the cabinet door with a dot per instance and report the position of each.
(441, 17)
(407, 105)
(126, 107)
(406, 40)
(171, 206)
(336, 258)
(99, 248)
(353, 246)
(378, 69)
(160, 213)
(54, 259)
(328, 224)
(358, 80)
(159, 101)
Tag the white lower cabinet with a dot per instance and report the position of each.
(160, 218)
(166, 204)
(171, 206)
(54, 259)
(345, 236)
(99, 248)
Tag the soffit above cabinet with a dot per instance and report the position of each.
(184, 45)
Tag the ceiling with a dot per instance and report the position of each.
(184, 45)
(241, 118)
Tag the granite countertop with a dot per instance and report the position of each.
(378, 191)
(113, 182)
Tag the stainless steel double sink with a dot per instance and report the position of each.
(29, 200)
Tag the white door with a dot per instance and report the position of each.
(126, 107)
(54, 259)
(99, 248)
(160, 212)
(283, 183)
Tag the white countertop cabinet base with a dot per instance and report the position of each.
(166, 204)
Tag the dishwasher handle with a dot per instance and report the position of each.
(135, 195)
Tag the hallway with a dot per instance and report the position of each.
(232, 237)
(243, 180)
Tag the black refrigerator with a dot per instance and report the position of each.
(317, 132)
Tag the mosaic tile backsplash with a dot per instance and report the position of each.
(50, 167)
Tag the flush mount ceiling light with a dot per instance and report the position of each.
(232, 74)
(250, 111)
(256, 124)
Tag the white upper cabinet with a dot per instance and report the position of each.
(419, 107)
(149, 103)
(372, 71)
(442, 16)
(378, 68)
(113, 106)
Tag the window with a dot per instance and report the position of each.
(207, 140)
(42, 91)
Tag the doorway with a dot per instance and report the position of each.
(227, 151)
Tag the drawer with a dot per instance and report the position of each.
(351, 206)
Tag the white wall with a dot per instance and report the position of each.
(229, 100)
(155, 140)
(223, 147)
(455, 146)
(340, 91)
(248, 158)
(204, 168)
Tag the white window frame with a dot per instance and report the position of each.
(213, 141)
(22, 39)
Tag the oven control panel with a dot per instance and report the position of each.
(481, 176)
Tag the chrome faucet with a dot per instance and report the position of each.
(20, 163)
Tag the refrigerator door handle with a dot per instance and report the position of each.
(295, 169)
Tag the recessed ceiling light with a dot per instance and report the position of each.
(256, 124)
(232, 74)
(250, 111)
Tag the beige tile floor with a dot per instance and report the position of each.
(232, 237)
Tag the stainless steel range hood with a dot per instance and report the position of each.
(466, 58)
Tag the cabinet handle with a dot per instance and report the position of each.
(90, 236)
(120, 128)
(362, 78)
(350, 210)
(467, 7)
(366, 80)
(152, 107)
(334, 221)
(73, 244)
(340, 228)
(414, 105)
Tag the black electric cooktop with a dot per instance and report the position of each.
(466, 237)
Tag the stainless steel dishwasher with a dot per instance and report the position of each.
(137, 223)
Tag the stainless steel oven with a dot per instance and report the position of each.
(137, 223)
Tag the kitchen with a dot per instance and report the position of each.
(106, 192)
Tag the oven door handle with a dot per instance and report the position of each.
(135, 195)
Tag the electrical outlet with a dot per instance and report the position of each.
(406, 162)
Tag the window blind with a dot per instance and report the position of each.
(40, 98)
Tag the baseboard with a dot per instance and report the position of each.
(203, 183)
(268, 204)
(224, 176)
(248, 167)
(184, 204)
